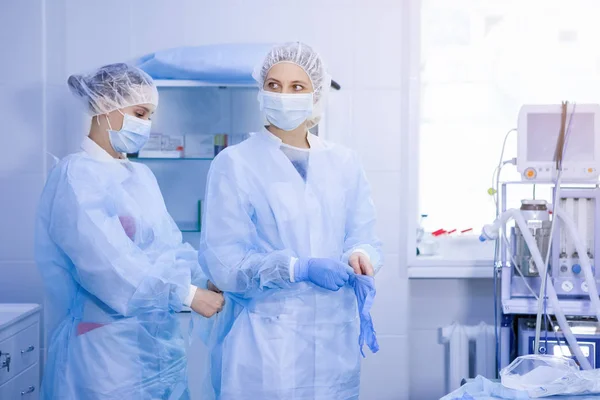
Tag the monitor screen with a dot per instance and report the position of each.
(543, 130)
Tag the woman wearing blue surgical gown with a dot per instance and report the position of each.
(112, 259)
(289, 220)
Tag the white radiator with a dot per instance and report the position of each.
(458, 337)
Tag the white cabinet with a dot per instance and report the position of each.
(19, 351)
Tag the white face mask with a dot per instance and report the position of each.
(286, 111)
(132, 136)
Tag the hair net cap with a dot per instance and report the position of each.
(113, 87)
(309, 60)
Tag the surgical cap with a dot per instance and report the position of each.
(306, 58)
(114, 87)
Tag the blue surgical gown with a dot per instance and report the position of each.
(277, 340)
(115, 271)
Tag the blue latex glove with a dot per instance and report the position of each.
(323, 272)
(364, 289)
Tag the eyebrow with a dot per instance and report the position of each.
(300, 82)
(272, 80)
(145, 108)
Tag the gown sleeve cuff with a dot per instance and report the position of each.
(361, 251)
(292, 263)
(190, 297)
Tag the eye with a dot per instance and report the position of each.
(298, 88)
(273, 85)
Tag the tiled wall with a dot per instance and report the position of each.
(435, 303)
(22, 79)
(32, 108)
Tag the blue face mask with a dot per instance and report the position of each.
(286, 110)
(132, 136)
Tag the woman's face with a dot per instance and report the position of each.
(287, 77)
(141, 111)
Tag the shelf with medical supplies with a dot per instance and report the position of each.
(195, 121)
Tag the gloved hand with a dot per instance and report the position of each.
(207, 303)
(323, 272)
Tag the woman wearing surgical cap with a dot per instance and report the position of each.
(289, 222)
(112, 259)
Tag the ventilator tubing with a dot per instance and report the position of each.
(490, 232)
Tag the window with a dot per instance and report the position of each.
(480, 61)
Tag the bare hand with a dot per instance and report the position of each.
(207, 303)
(361, 264)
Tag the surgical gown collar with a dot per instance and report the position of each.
(97, 153)
(315, 142)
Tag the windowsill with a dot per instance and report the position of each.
(436, 267)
